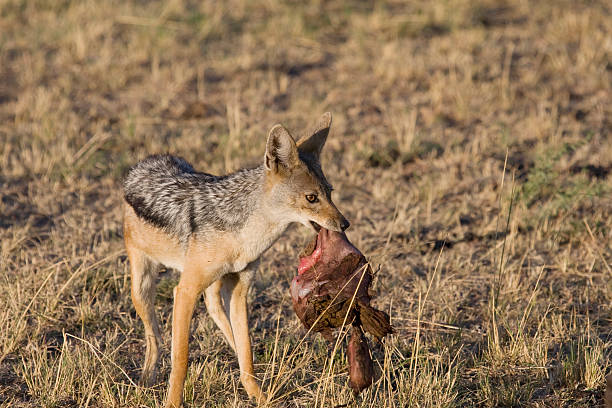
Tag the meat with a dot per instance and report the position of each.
(361, 370)
(331, 291)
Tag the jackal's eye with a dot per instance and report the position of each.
(312, 198)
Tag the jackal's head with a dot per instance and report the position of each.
(295, 183)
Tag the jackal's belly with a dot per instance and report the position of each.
(213, 263)
(154, 242)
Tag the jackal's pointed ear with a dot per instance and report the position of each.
(281, 150)
(313, 142)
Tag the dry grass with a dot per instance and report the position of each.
(470, 149)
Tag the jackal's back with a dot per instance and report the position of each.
(167, 192)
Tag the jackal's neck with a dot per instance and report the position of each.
(263, 204)
(239, 202)
(265, 219)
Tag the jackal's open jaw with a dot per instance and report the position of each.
(315, 226)
(311, 255)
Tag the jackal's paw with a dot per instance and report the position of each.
(252, 388)
(259, 397)
(147, 379)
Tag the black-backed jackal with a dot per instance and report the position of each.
(213, 229)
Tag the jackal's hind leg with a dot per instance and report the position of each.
(144, 275)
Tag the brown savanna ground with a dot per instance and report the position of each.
(471, 150)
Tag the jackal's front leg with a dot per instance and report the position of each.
(186, 294)
(216, 295)
(240, 328)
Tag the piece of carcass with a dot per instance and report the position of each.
(331, 291)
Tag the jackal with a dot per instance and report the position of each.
(213, 229)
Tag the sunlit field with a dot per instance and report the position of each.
(471, 150)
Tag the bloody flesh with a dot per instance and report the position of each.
(331, 291)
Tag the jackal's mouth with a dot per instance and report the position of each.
(311, 254)
(316, 226)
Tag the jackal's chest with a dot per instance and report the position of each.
(229, 252)
(252, 246)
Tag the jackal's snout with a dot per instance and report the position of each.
(344, 224)
(332, 219)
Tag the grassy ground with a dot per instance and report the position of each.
(471, 150)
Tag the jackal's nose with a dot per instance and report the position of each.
(344, 224)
